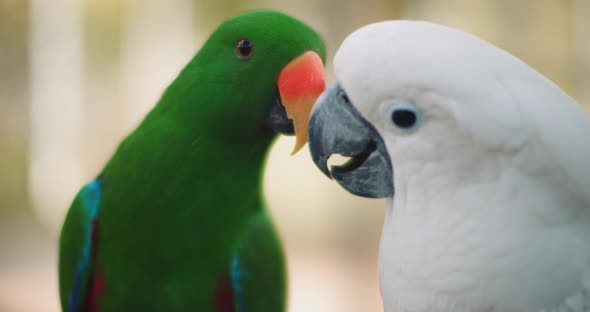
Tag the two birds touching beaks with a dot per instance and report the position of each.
(484, 161)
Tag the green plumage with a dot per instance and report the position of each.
(182, 195)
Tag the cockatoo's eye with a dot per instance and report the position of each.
(244, 48)
(404, 115)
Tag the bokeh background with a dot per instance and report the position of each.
(77, 75)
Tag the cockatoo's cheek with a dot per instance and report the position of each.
(336, 127)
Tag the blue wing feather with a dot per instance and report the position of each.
(257, 268)
(237, 278)
(90, 196)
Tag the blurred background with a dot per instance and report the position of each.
(77, 75)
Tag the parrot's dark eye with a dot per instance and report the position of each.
(404, 115)
(244, 49)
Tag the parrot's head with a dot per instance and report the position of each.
(262, 72)
(416, 98)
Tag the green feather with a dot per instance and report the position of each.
(182, 195)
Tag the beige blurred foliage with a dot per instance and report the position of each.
(77, 75)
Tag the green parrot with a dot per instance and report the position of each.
(176, 220)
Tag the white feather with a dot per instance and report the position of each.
(492, 192)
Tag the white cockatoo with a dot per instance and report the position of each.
(486, 164)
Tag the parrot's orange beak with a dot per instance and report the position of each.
(300, 84)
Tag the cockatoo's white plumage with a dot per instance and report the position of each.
(491, 210)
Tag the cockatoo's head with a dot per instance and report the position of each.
(412, 93)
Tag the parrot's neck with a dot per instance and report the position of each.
(181, 190)
(185, 193)
(464, 241)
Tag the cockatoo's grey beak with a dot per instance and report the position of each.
(336, 127)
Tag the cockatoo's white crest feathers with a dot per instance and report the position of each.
(493, 95)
